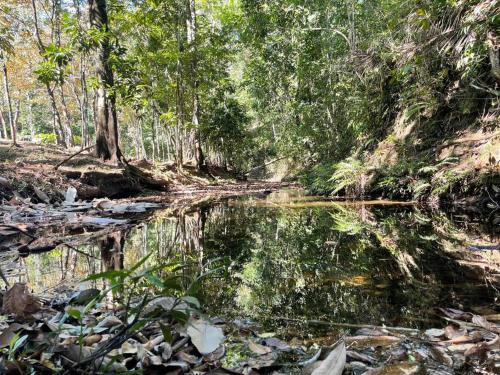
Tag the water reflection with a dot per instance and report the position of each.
(285, 258)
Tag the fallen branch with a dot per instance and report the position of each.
(348, 325)
(72, 156)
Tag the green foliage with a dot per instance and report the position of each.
(54, 68)
(317, 179)
(348, 175)
(47, 138)
(225, 129)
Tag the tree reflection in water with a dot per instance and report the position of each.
(359, 264)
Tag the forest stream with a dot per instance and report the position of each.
(284, 275)
(287, 258)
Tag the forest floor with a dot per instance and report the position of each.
(42, 174)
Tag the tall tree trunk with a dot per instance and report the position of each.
(13, 132)
(193, 50)
(83, 102)
(50, 91)
(107, 147)
(179, 102)
(67, 133)
(5, 134)
(85, 107)
(31, 125)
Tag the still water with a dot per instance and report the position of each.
(293, 257)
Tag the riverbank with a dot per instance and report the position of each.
(43, 174)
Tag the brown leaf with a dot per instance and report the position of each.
(92, 339)
(483, 347)
(456, 314)
(371, 341)
(258, 349)
(355, 356)
(482, 322)
(440, 355)
(452, 331)
(41, 195)
(335, 362)
(395, 369)
(19, 301)
(493, 317)
(460, 348)
(9, 333)
(473, 337)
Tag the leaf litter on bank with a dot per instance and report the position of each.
(201, 346)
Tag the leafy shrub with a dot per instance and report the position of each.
(48, 138)
(348, 176)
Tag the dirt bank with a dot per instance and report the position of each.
(34, 171)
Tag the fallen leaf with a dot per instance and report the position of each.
(129, 347)
(109, 322)
(460, 348)
(371, 341)
(263, 361)
(456, 314)
(493, 317)
(482, 322)
(439, 354)
(204, 336)
(101, 221)
(189, 358)
(92, 339)
(7, 335)
(258, 349)
(451, 332)
(41, 195)
(434, 332)
(165, 304)
(483, 347)
(335, 362)
(276, 343)
(473, 337)
(360, 357)
(216, 355)
(17, 300)
(405, 368)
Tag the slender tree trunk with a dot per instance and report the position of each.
(17, 113)
(179, 100)
(85, 107)
(68, 135)
(192, 43)
(31, 125)
(13, 132)
(140, 141)
(57, 125)
(107, 147)
(5, 134)
(84, 101)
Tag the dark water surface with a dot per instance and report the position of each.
(287, 256)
